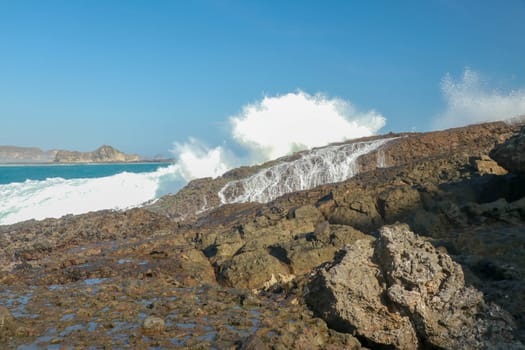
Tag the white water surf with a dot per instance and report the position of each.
(56, 197)
(317, 167)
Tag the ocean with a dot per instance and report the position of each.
(21, 173)
(42, 191)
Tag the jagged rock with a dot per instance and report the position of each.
(253, 342)
(305, 211)
(511, 153)
(470, 141)
(486, 165)
(252, 269)
(347, 295)
(430, 287)
(286, 247)
(361, 213)
(7, 323)
(398, 201)
(153, 325)
(309, 251)
(400, 289)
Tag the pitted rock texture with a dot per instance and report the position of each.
(400, 291)
(347, 295)
(511, 153)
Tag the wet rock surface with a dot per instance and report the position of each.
(236, 276)
(150, 293)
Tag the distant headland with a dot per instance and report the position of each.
(34, 155)
(103, 154)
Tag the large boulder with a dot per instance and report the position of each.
(511, 153)
(402, 292)
(347, 295)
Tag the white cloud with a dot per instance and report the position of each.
(470, 101)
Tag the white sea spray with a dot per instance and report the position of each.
(317, 167)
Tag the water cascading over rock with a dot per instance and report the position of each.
(317, 167)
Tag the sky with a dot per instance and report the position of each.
(150, 77)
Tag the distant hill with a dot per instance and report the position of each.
(13, 154)
(104, 154)
(28, 155)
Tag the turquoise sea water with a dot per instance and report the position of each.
(42, 191)
(20, 173)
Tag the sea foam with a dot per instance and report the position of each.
(55, 197)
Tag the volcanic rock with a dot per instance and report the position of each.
(347, 295)
(402, 292)
(153, 325)
(7, 323)
(200, 196)
(511, 153)
(253, 342)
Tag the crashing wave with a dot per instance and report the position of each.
(55, 197)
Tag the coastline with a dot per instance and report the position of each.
(162, 161)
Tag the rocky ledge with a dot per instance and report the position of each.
(326, 268)
(511, 154)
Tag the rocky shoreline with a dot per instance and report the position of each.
(426, 251)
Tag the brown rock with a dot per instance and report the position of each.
(431, 289)
(7, 322)
(486, 165)
(153, 325)
(253, 342)
(306, 212)
(400, 286)
(511, 153)
(347, 295)
(252, 269)
(397, 201)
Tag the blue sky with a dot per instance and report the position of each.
(141, 75)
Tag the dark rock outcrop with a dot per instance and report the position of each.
(511, 154)
(400, 291)
(474, 142)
